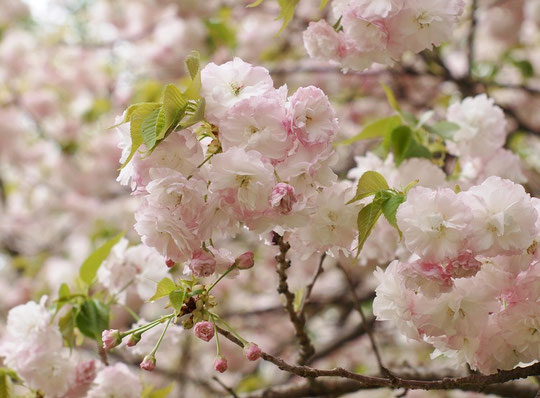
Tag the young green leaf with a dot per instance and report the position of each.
(66, 324)
(137, 118)
(176, 299)
(370, 183)
(194, 68)
(164, 288)
(287, 12)
(390, 207)
(400, 141)
(93, 319)
(443, 129)
(323, 4)
(255, 3)
(152, 127)
(161, 393)
(367, 218)
(195, 113)
(390, 97)
(6, 389)
(90, 266)
(174, 105)
(377, 129)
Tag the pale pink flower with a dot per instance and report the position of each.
(366, 34)
(204, 330)
(283, 198)
(311, 117)
(257, 123)
(431, 279)
(482, 127)
(435, 223)
(323, 42)
(243, 179)
(504, 217)
(225, 85)
(202, 264)
(116, 380)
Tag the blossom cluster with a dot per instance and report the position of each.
(470, 285)
(380, 31)
(262, 159)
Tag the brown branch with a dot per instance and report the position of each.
(473, 382)
(298, 320)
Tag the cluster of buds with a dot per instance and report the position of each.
(196, 307)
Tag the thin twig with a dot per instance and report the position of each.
(365, 322)
(298, 320)
(309, 287)
(225, 387)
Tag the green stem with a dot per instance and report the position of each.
(149, 325)
(161, 337)
(221, 277)
(217, 335)
(244, 342)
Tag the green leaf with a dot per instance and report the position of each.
(138, 116)
(323, 4)
(66, 324)
(391, 98)
(93, 319)
(164, 288)
(89, 268)
(444, 129)
(370, 183)
(287, 12)
(152, 127)
(367, 218)
(174, 105)
(255, 3)
(400, 141)
(524, 66)
(162, 392)
(195, 113)
(390, 207)
(193, 65)
(378, 128)
(176, 299)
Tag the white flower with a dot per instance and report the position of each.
(243, 179)
(435, 223)
(115, 381)
(503, 217)
(482, 127)
(225, 85)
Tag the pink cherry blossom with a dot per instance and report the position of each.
(204, 330)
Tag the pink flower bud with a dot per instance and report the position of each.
(252, 352)
(220, 364)
(133, 340)
(244, 261)
(148, 363)
(170, 262)
(111, 338)
(204, 330)
(202, 264)
(283, 198)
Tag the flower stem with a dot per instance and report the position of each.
(221, 277)
(161, 337)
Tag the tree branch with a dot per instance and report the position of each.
(298, 320)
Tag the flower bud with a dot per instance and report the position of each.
(111, 338)
(244, 261)
(283, 198)
(252, 352)
(187, 323)
(220, 364)
(204, 330)
(170, 262)
(202, 264)
(214, 147)
(148, 363)
(133, 340)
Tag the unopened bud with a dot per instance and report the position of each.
(148, 363)
(133, 340)
(204, 330)
(220, 364)
(111, 338)
(170, 262)
(244, 261)
(252, 352)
